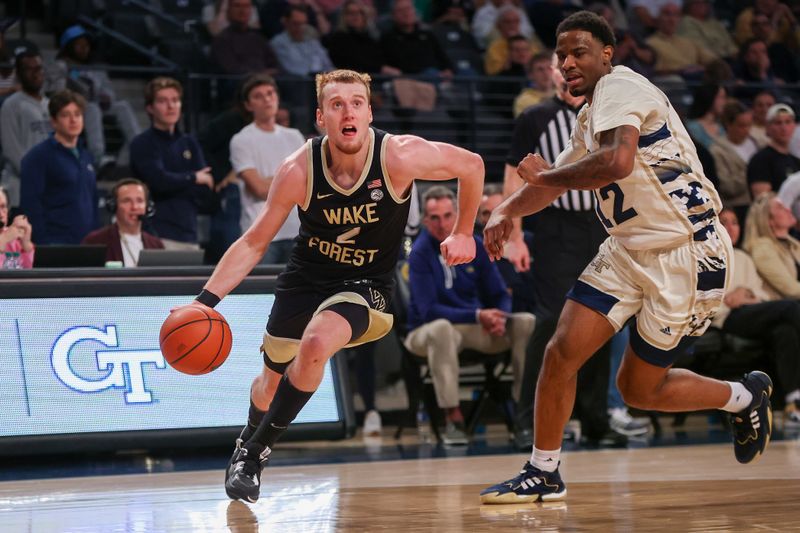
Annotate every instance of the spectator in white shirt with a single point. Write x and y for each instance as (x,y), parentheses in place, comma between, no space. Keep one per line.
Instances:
(256,153)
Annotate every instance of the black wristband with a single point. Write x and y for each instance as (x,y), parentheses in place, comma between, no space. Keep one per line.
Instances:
(208,298)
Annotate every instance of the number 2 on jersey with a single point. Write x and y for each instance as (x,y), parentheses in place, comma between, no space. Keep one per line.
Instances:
(348,237)
(620,215)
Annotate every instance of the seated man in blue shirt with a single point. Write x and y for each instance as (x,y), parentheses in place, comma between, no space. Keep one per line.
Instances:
(172,165)
(454,308)
(58,183)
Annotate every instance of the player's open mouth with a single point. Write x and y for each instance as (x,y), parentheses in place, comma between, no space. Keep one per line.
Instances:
(574,80)
(349,131)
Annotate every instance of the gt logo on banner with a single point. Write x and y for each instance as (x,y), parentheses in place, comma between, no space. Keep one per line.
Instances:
(114,361)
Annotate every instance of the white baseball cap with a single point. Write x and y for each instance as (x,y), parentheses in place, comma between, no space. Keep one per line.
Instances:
(776,109)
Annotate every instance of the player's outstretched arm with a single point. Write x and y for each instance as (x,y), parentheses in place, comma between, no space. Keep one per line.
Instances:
(504,227)
(410,157)
(611,162)
(288,189)
(524,201)
(516,250)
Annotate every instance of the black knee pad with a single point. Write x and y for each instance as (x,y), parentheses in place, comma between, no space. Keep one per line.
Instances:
(280,368)
(356,315)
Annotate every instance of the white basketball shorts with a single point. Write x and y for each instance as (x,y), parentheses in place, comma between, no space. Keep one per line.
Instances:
(671,294)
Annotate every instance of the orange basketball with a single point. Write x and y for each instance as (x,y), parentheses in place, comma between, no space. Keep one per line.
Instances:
(195,340)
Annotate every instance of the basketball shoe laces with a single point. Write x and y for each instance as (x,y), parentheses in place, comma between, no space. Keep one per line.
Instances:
(527,478)
(251,466)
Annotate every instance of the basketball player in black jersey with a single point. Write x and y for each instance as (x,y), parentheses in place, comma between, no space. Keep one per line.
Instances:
(352,188)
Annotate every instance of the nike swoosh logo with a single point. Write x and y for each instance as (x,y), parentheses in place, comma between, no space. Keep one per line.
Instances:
(323,196)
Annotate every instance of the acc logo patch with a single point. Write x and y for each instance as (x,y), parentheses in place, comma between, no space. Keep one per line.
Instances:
(376,194)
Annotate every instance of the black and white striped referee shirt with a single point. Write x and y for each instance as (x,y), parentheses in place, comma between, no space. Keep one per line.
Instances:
(545,128)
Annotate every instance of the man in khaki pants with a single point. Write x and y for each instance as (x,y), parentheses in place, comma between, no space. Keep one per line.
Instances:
(454,308)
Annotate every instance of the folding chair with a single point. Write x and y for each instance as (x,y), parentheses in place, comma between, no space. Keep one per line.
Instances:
(490,374)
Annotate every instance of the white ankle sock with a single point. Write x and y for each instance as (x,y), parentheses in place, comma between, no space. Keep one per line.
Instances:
(740,397)
(546,460)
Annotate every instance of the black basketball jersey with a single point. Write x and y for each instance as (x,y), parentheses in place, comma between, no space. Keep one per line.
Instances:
(349,236)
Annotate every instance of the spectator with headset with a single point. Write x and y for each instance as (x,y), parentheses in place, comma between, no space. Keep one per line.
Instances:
(129,201)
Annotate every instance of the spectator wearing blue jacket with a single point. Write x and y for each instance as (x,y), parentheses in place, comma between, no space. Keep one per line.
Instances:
(172,165)
(58,183)
(455,308)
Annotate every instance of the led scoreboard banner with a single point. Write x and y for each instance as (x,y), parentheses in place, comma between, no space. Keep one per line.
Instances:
(87,372)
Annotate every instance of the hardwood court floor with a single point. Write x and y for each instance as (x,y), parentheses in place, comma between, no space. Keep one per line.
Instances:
(684,488)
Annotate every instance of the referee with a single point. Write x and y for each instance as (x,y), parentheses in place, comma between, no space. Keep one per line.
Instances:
(566,236)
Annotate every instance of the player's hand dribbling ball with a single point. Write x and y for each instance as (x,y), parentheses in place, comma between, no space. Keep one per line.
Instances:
(195,339)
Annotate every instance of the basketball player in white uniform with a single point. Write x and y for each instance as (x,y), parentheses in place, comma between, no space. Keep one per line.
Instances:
(664,267)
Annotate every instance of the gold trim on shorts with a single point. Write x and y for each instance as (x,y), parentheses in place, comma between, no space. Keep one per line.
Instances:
(280,349)
(283,349)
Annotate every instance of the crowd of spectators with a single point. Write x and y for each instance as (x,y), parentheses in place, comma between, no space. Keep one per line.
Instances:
(735,67)
(73,70)
(733,76)
(677,41)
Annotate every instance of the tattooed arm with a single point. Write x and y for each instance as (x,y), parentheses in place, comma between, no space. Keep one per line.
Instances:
(611,162)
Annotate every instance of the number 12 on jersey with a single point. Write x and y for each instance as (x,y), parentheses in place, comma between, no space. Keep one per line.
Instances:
(620,214)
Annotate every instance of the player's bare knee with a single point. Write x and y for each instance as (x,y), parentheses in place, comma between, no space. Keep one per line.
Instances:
(557,360)
(311,343)
(314,350)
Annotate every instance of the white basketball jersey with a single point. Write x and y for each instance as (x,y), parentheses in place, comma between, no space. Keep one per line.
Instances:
(667,200)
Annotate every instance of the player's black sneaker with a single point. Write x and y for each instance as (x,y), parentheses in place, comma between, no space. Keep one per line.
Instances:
(243,475)
(752,427)
(244,436)
(531,485)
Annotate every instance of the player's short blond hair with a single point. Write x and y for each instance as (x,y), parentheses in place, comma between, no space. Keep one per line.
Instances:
(341,76)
